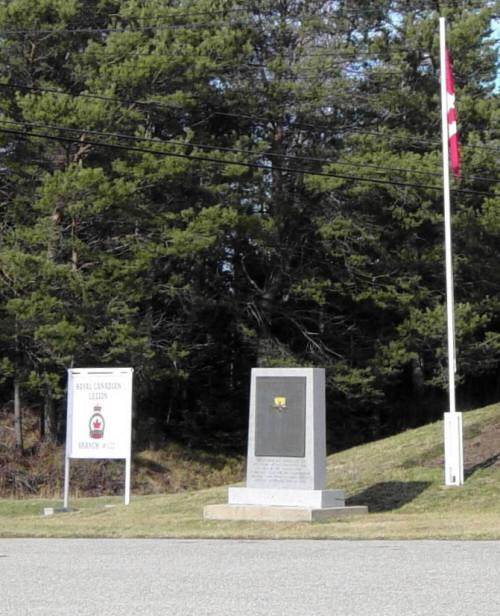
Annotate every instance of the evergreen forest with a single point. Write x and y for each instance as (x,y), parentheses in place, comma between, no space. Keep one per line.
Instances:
(193,188)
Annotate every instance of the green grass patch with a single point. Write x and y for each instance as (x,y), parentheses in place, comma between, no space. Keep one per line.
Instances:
(400,478)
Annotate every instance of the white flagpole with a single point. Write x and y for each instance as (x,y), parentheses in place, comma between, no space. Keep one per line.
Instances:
(447,223)
(452,420)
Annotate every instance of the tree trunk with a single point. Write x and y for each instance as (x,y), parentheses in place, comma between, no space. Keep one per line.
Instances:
(417,381)
(49,419)
(18,420)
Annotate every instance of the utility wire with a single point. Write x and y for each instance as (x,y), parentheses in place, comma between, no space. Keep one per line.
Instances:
(101,97)
(260,119)
(355,130)
(320,18)
(248,10)
(203,146)
(219,161)
(54,31)
(181,14)
(341,54)
(344,9)
(344,64)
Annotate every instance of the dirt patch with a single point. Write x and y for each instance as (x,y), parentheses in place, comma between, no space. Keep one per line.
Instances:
(483,451)
(480,451)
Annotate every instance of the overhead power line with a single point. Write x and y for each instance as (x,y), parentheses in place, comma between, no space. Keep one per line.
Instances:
(101,97)
(182,14)
(353,55)
(222,87)
(112,30)
(272,155)
(362,131)
(248,10)
(319,18)
(252,165)
(260,119)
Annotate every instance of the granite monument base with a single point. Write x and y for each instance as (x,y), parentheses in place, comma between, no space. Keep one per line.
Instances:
(282,497)
(281,505)
(273,513)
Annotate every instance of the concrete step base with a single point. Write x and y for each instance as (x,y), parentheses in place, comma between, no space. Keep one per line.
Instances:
(272,513)
(281,497)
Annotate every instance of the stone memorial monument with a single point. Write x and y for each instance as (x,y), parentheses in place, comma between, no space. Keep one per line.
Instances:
(286,463)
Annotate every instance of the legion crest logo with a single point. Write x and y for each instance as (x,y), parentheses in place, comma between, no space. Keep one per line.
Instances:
(280,404)
(96,423)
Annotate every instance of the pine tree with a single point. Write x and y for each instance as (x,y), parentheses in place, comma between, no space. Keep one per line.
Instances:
(219,186)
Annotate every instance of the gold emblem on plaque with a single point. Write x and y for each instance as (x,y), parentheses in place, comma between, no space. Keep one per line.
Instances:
(280,404)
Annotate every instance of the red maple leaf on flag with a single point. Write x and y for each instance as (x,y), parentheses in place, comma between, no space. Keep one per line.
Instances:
(452,118)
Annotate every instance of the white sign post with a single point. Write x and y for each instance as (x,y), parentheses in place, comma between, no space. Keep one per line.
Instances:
(99,419)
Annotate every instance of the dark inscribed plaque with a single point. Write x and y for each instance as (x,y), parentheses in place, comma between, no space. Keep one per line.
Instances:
(280,416)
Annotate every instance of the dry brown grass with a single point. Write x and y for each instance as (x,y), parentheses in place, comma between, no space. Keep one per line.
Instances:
(171,469)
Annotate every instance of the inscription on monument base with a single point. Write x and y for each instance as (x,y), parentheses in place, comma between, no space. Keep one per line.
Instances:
(284,472)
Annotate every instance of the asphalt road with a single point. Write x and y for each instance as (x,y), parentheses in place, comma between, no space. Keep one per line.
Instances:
(259,578)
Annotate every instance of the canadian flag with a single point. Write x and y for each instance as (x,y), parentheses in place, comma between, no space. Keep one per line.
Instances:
(452,119)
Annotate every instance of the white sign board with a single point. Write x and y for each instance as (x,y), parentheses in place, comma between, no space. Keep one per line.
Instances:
(99,420)
(99,413)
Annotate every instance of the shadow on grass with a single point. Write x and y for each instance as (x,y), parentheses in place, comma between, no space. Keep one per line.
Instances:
(388,495)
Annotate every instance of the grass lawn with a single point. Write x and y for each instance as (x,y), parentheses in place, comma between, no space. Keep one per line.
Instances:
(400,479)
